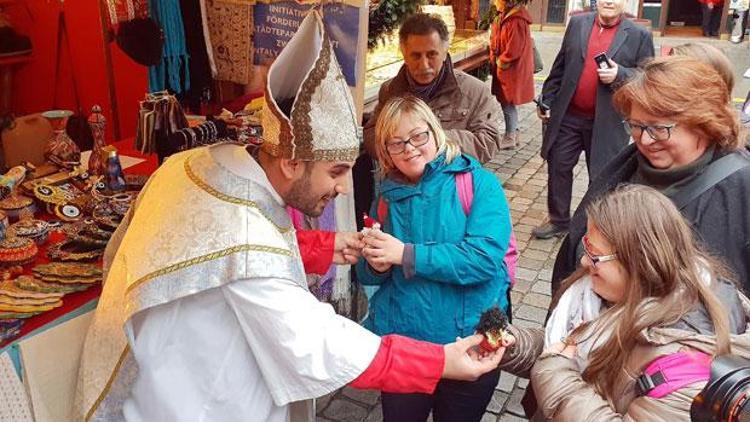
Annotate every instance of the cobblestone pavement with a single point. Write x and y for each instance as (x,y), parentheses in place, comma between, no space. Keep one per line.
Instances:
(524,176)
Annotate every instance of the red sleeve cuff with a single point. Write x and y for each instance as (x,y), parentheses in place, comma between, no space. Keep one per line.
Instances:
(316,249)
(403,365)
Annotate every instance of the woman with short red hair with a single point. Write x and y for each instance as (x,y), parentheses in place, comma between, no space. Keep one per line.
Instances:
(688,144)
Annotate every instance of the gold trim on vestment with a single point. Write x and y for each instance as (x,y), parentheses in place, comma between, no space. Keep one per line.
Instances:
(107,386)
(205,258)
(227,198)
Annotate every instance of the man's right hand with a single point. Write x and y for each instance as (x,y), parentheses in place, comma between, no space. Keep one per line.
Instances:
(464,363)
(347,248)
(542,114)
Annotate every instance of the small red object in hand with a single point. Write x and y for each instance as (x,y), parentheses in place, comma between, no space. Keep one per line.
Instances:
(493,324)
(369,221)
(489,344)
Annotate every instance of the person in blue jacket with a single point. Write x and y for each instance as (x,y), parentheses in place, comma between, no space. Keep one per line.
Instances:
(438,265)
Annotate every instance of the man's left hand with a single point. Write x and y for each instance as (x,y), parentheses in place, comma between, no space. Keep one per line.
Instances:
(607,76)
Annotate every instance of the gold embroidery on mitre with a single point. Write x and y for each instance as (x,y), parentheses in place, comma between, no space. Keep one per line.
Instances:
(322,122)
(277,132)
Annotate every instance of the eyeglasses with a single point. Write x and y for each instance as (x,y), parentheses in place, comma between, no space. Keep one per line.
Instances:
(397,147)
(595,259)
(659,133)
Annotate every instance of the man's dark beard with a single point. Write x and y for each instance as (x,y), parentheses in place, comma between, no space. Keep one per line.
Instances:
(299,195)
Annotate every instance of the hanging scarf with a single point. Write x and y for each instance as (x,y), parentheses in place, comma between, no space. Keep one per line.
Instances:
(173,71)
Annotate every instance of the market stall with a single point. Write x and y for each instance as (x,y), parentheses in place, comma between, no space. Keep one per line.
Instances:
(46,298)
(62,206)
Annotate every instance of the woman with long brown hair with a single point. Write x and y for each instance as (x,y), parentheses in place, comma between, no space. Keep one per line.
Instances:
(688,143)
(646,295)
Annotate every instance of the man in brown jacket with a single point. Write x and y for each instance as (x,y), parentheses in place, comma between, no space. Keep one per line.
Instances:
(468,112)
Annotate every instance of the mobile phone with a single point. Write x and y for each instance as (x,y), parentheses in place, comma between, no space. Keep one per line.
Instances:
(602,61)
(540,104)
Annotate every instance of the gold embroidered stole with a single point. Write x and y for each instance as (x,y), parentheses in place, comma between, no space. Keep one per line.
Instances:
(195,226)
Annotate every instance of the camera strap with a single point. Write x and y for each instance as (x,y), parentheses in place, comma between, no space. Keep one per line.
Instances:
(669,373)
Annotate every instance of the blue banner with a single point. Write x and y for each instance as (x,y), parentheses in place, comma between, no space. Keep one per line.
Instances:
(276,23)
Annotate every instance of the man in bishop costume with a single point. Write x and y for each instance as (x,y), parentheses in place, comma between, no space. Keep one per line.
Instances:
(205,314)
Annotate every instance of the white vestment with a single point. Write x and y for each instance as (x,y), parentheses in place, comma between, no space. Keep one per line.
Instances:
(244,344)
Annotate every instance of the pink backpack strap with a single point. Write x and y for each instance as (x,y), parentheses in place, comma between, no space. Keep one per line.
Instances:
(511,258)
(465,187)
(669,373)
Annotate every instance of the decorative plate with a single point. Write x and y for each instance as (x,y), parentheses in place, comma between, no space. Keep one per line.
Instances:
(68,270)
(70,250)
(20,309)
(29,228)
(15,202)
(69,280)
(32,284)
(17,251)
(10,289)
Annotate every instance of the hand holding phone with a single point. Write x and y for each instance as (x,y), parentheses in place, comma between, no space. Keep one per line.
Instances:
(542,109)
(605,68)
(602,61)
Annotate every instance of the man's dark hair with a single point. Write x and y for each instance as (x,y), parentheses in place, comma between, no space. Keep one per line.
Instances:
(423,24)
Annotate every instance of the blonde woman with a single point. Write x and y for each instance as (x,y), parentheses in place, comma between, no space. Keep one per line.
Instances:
(645,293)
(439,257)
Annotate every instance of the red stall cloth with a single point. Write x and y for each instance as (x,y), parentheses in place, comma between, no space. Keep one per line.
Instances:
(116,87)
(73,301)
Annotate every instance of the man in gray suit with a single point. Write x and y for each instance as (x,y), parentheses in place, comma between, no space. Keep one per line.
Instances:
(577,101)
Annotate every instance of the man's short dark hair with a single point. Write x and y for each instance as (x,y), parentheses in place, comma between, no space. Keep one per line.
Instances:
(423,24)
